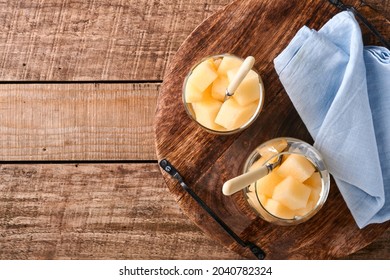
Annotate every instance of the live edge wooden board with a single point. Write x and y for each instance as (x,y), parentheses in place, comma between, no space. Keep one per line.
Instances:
(261,28)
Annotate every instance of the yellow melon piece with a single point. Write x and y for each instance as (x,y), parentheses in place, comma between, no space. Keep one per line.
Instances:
(232,115)
(277,209)
(315,194)
(192,93)
(306,210)
(263,199)
(277,146)
(292,193)
(203,75)
(296,166)
(227,63)
(217,62)
(316,186)
(266,185)
(206,110)
(314,180)
(218,89)
(248,90)
(269,151)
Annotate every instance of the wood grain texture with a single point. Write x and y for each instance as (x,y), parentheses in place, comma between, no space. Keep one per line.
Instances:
(104,211)
(77,121)
(96,211)
(94,40)
(249,28)
(381,6)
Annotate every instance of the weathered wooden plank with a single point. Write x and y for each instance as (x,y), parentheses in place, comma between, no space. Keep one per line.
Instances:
(117,211)
(77,121)
(104,211)
(95,40)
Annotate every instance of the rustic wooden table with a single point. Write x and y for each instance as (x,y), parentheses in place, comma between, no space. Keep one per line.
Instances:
(78,92)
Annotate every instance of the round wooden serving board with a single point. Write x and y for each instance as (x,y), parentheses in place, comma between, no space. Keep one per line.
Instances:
(261,28)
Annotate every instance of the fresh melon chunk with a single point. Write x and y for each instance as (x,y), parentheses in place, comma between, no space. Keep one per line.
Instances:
(315,194)
(267,184)
(277,146)
(306,210)
(270,151)
(292,193)
(263,199)
(192,93)
(316,186)
(217,62)
(232,115)
(277,209)
(296,166)
(218,90)
(248,90)
(314,180)
(206,111)
(227,63)
(203,75)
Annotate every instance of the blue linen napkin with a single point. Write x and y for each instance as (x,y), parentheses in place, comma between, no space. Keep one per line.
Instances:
(341,90)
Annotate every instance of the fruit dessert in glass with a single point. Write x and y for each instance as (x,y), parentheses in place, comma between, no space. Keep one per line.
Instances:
(296,189)
(205,99)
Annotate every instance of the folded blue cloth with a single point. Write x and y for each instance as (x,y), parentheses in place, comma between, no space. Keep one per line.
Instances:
(341,90)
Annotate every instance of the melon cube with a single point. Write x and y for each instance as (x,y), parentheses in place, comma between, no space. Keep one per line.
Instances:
(306,210)
(266,185)
(203,75)
(248,90)
(316,186)
(292,193)
(262,198)
(315,194)
(218,90)
(232,115)
(277,146)
(217,62)
(296,166)
(314,180)
(269,151)
(227,63)
(192,93)
(277,209)
(206,110)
